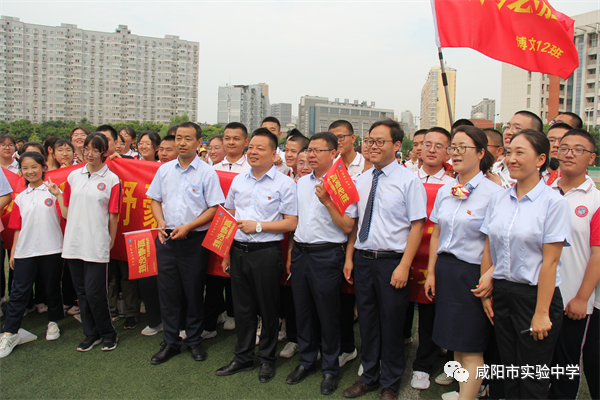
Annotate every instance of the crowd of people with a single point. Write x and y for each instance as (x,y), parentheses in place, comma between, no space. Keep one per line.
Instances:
(512,277)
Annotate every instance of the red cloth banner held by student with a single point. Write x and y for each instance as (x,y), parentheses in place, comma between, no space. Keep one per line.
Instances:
(219,236)
(141,253)
(529,34)
(339,185)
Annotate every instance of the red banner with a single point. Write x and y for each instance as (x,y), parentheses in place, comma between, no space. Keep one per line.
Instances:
(529,34)
(418,272)
(219,236)
(141,254)
(339,185)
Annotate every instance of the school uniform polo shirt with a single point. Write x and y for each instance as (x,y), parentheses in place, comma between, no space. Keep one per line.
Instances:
(439,177)
(239,166)
(37,214)
(91,197)
(584,204)
(356,166)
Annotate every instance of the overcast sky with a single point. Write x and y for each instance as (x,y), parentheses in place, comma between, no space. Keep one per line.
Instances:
(361,50)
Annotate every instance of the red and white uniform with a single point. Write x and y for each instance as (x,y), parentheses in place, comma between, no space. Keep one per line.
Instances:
(90,198)
(439,177)
(37,214)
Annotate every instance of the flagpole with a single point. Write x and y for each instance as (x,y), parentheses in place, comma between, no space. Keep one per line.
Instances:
(445,82)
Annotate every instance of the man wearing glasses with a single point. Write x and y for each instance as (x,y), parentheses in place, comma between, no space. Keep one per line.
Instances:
(555,134)
(344,132)
(381,249)
(434,156)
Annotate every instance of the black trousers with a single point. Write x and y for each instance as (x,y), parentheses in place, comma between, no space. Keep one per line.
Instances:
(214,303)
(591,355)
(316,285)
(182,266)
(568,351)
(255,280)
(68,291)
(347,301)
(289,313)
(427,351)
(148,288)
(91,284)
(408,321)
(118,278)
(381,315)
(514,306)
(492,357)
(26,270)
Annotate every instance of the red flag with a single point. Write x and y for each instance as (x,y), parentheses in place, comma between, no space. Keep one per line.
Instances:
(220,233)
(339,185)
(141,254)
(529,34)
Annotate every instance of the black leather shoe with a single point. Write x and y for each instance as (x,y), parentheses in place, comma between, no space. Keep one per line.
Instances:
(165,354)
(267,372)
(329,384)
(234,367)
(198,352)
(298,375)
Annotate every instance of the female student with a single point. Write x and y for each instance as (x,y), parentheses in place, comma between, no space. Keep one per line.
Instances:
(455,254)
(216,151)
(147,146)
(527,226)
(91,204)
(36,249)
(78,135)
(8,145)
(63,152)
(128,135)
(49,147)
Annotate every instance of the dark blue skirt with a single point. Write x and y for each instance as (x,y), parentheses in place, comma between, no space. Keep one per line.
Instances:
(460,321)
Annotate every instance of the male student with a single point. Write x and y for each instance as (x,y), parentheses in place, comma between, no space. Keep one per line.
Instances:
(344,132)
(263,201)
(570,119)
(434,155)
(295,142)
(185,194)
(273,125)
(555,134)
(167,150)
(381,249)
(417,150)
(494,146)
(235,139)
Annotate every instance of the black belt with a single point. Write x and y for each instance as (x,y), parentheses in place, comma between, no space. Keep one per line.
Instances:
(376,255)
(190,234)
(313,248)
(248,247)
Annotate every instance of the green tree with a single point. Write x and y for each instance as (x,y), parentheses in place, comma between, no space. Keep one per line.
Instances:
(407,145)
(211,131)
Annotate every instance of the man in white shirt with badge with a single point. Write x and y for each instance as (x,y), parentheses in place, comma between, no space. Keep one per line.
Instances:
(235,139)
(353,161)
(434,156)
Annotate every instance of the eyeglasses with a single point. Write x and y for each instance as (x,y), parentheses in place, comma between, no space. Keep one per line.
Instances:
(215,148)
(7,146)
(316,151)
(577,151)
(459,149)
(144,144)
(63,151)
(516,128)
(341,138)
(438,147)
(379,142)
(93,152)
(78,135)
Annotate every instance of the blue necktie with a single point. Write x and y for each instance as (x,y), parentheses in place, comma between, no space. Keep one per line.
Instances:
(366,222)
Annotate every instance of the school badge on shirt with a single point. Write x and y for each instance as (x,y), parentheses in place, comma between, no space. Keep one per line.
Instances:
(48,202)
(581,211)
(101,186)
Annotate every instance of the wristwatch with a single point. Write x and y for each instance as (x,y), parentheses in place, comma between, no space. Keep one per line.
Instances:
(258,227)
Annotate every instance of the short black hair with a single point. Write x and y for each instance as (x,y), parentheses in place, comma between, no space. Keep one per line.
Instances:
(577,118)
(419,132)
(293,132)
(113,131)
(172,130)
(443,131)
(129,130)
(237,125)
(344,123)
(584,134)
(461,122)
(268,134)
(299,138)
(561,125)
(493,135)
(168,138)
(395,129)
(272,119)
(328,137)
(38,158)
(98,141)
(536,121)
(37,145)
(539,142)
(192,125)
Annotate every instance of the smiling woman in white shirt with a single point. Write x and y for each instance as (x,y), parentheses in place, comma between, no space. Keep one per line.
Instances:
(527,227)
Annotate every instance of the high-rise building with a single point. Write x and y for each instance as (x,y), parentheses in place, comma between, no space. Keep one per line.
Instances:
(486,109)
(68,73)
(315,114)
(434,108)
(408,119)
(547,95)
(283,112)
(248,104)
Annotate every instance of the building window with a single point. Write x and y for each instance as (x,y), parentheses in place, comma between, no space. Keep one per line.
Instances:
(593,40)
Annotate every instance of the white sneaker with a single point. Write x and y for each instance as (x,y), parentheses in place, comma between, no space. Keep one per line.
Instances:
(444,380)
(148,331)
(229,324)
(420,380)
(289,350)
(221,319)
(8,343)
(360,370)
(282,336)
(53,332)
(208,334)
(41,308)
(345,357)
(450,396)
(182,334)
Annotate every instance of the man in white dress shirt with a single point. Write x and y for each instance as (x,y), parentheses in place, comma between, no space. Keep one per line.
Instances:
(235,139)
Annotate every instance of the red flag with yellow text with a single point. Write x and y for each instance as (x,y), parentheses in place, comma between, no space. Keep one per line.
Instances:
(527,33)
(219,236)
(338,183)
(141,253)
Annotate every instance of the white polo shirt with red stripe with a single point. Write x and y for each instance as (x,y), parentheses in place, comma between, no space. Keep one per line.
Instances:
(584,202)
(90,198)
(37,214)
